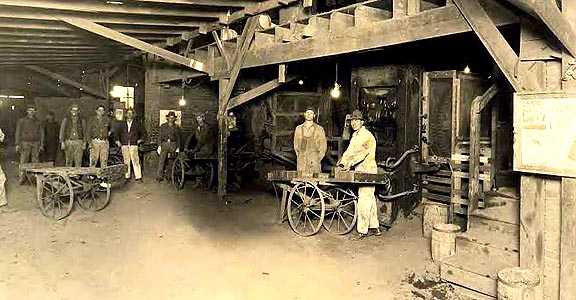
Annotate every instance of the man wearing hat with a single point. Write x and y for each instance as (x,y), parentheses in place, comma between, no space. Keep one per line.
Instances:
(204,138)
(97,136)
(168,142)
(72,137)
(51,132)
(361,156)
(309,144)
(29,139)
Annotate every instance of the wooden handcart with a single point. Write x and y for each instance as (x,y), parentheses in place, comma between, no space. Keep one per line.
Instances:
(312,201)
(59,187)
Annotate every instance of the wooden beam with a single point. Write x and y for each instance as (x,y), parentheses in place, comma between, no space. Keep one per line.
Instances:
(568,240)
(132,42)
(223,51)
(126,8)
(557,22)
(225,90)
(67,81)
(429,24)
(219,3)
(256,92)
(492,39)
(476,108)
(103,19)
(50,85)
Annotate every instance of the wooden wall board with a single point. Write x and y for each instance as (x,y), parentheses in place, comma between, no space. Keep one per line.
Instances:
(568,240)
(545,133)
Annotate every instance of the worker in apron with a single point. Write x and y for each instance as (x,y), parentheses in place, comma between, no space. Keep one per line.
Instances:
(309,144)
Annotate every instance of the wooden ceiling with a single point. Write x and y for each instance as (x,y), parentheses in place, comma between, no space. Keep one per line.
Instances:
(32,32)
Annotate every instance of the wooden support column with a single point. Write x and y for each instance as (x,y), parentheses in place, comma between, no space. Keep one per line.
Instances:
(476,108)
(568,60)
(226,87)
(568,240)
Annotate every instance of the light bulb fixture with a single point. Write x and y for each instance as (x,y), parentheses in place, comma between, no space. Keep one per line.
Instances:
(301,82)
(467,70)
(335,92)
(182,101)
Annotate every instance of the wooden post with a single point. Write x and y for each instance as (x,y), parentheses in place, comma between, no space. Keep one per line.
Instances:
(568,240)
(222,145)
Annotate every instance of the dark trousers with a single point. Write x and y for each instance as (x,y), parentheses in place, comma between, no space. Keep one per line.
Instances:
(29,153)
(167,149)
(74,150)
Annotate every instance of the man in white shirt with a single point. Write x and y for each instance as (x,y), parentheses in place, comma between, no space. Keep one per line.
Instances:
(3,200)
(128,135)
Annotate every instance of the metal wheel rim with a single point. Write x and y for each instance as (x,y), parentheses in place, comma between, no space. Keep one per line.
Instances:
(306,210)
(207,180)
(342,219)
(97,197)
(178,173)
(56,194)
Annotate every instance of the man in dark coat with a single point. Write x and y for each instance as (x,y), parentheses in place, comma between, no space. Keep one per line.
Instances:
(73,137)
(128,135)
(29,139)
(168,142)
(51,138)
(204,138)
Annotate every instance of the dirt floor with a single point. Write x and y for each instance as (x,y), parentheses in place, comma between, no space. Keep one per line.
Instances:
(153,242)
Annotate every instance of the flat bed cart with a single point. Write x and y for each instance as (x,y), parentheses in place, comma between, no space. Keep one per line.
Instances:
(313,201)
(58,188)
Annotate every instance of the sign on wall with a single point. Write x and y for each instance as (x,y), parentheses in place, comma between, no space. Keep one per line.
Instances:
(545,133)
(163,114)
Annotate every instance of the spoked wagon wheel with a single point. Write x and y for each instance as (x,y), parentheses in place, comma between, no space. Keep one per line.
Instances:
(341,211)
(206,175)
(306,209)
(179,169)
(95,193)
(56,198)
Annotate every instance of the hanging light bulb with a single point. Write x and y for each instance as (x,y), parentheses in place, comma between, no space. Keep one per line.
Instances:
(335,92)
(300,82)
(467,70)
(182,101)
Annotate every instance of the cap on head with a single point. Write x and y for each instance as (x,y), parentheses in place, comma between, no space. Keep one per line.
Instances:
(357,115)
(171,114)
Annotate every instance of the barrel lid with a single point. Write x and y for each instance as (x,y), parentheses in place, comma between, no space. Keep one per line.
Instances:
(447,227)
(518,277)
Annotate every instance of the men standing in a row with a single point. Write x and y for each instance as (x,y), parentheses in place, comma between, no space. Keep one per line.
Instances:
(51,133)
(129,134)
(97,137)
(72,134)
(29,139)
(168,142)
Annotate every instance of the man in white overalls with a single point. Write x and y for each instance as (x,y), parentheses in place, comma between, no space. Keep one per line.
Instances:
(361,156)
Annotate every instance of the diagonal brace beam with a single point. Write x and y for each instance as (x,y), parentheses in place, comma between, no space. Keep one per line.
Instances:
(492,39)
(67,81)
(136,43)
(256,92)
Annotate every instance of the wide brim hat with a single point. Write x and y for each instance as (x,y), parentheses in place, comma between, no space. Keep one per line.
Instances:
(171,114)
(357,115)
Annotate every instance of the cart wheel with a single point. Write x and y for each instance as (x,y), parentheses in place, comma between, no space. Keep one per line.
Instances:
(179,169)
(306,209)
(56,197)
(341,211)
(95,195)
(206,179)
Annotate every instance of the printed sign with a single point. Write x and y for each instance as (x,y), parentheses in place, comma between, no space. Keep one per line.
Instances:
(545,133)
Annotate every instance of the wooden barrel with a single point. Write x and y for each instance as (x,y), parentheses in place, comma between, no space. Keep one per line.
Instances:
(433,213)
(443,241)
(517,284)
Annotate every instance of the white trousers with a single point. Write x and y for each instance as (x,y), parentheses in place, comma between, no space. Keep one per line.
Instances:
(131,159)
(367,209)
(3,200)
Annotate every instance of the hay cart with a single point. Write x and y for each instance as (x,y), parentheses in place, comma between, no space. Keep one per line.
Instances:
(312,201)
(59,187)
